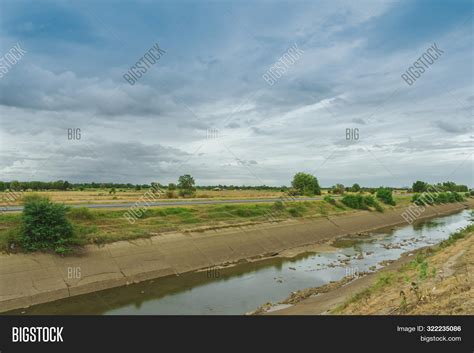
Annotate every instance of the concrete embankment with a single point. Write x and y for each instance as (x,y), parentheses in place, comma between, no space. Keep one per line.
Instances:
(28,279)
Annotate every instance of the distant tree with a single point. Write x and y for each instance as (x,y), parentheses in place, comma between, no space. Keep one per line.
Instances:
(171,186)
(338,189)
(15,185)
(112,191)
(306,184)
(186,185)
(3,187)
(355,187)
(419,186)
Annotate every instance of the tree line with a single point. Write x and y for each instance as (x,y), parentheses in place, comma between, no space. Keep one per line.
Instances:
(302,184)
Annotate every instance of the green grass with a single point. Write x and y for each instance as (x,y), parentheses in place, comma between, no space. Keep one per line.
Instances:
(104,226)
(420,262)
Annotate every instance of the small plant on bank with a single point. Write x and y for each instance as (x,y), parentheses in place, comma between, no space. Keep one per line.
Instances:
(329,200)
(278,205)
(45,226)
(386,196)
(81,213)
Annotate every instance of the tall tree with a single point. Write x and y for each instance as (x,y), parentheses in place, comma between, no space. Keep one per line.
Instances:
(306,184)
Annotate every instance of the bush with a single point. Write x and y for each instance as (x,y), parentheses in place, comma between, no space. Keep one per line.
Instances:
(170,194)
(442,197)
(360,202)
(329,199)
(354,201)
(338,189)
(372,202)
(457,197)
(385,195)
(278,205)
(82,213)
(45,226)
(295,212)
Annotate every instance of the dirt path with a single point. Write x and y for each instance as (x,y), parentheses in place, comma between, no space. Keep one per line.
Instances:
(28,279)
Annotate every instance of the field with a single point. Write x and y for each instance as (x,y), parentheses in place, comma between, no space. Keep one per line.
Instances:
(96,196)
(103,196)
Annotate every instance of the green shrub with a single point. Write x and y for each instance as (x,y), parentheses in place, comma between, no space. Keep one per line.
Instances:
(278,205)
(354,201)
(385,195)
(296,211)
(457,196)
(360,202)
(329,199)
(372,202)
(170,194)
(45,226)
(81,213)
(442,197)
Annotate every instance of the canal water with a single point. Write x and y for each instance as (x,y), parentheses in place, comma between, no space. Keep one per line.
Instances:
(243,288)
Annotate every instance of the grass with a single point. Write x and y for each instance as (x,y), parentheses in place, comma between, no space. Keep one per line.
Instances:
(103,226)
(94,196)
(420,264)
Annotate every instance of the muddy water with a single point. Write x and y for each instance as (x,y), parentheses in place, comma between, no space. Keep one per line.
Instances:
(243,288)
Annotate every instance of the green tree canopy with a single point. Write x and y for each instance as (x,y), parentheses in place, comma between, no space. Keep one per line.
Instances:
(306,184)
(419,186)
(355,187)
(186,185)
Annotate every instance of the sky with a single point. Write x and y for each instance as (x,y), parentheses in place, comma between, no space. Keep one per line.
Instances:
(204,107)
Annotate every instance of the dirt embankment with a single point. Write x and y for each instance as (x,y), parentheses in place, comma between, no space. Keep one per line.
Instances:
(28,279)
(430,281)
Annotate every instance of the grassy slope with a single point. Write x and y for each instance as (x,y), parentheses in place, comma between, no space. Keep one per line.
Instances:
(101,226)
(438,281)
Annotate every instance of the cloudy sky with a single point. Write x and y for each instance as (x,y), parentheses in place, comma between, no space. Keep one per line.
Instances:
(204,107)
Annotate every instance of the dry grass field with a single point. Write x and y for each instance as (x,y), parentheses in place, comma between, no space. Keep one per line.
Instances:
(103,196)
(95,196)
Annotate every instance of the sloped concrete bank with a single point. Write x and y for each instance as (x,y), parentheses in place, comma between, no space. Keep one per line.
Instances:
(29,279)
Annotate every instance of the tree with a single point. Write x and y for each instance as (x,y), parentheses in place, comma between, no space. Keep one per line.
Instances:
(306,184)
(355,187)
(171,186)
(419,186)
(186,185)
(338,189)
(15,185)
